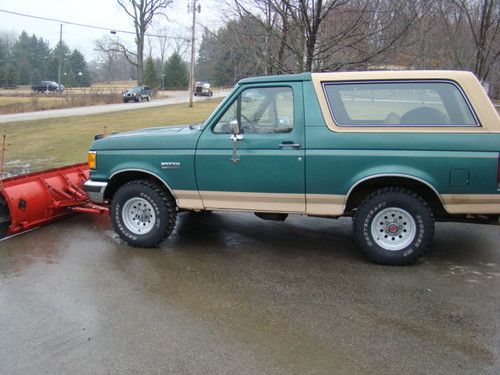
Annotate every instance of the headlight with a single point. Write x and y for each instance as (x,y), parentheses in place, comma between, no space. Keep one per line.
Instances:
(92,159)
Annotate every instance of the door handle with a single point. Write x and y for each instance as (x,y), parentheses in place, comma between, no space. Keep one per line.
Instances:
(289,145)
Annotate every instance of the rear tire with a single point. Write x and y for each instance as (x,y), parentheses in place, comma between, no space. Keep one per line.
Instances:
(393,226)
(143,213)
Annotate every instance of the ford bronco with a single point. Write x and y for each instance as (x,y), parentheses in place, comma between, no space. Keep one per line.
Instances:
(394,150)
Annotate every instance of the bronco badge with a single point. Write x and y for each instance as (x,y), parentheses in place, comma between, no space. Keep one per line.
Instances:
(170,165)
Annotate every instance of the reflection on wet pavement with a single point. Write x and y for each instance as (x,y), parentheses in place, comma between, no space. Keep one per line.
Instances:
(230,293)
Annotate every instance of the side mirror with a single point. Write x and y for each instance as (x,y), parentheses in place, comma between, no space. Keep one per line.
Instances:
(235,131)
(235,128)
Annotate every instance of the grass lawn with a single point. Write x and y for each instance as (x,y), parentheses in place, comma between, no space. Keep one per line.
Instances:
(15,104)
(40,144)
(40,102)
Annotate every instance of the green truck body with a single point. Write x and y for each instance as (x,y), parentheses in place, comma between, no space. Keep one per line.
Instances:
(285,150)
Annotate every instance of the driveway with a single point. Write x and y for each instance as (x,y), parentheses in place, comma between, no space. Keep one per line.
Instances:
(230,293)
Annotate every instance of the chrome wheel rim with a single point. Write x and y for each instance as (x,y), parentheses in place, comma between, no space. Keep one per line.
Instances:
(138,215)
(393,229)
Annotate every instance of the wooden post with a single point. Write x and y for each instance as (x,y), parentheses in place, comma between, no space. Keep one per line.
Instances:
(2,160)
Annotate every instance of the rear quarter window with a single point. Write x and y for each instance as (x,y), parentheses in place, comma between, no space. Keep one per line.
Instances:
(407,103)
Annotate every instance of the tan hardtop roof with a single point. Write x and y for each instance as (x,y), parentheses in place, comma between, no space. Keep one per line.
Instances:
(455,75)
(476,95)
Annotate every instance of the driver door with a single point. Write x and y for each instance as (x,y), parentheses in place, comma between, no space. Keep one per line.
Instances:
(262,168)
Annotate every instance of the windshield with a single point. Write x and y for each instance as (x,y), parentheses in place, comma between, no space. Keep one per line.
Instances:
(135,89)
(216,111)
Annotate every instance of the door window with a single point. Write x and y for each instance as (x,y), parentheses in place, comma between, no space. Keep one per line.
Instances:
(263,110)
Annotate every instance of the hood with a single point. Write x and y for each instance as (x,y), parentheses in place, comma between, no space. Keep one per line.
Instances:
(166,137)
(131,92)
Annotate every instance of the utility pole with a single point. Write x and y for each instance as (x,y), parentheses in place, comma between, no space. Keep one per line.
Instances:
(191,72)
(59,70)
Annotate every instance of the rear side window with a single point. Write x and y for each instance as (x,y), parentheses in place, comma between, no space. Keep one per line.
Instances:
(404,103)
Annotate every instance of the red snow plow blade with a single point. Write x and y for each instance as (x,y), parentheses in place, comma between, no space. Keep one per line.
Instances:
(35,199)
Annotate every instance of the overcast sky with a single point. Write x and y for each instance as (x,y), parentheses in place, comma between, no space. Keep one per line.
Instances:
(103,13)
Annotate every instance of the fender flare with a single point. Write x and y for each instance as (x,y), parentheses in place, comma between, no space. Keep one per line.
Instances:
(399,175)
(152,174)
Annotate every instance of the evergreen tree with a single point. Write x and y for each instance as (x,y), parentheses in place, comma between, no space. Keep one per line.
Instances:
(78,73)
(30,56)
(224,58)
(205,68)
(9,76)
(4,53)
(159,70)
(21,57)
(176,73)
(31,61)
(54,64)
(40,59)
(150,75)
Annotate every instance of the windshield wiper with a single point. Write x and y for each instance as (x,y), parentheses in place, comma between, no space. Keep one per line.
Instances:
(192,126)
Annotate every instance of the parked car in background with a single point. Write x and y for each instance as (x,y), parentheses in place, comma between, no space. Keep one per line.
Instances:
(202,89)
(48,86)
(137,94)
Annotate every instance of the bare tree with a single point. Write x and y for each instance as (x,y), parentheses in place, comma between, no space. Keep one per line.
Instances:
(162,38)
(142,13)
(148,47)
(483,18)
(329,34)
(181,45)
(107,55)
(167,42)
(112,65)
(289,36)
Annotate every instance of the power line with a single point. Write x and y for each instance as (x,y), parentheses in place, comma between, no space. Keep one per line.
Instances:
(113,31)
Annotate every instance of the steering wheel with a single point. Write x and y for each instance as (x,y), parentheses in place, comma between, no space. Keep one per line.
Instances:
(249,126)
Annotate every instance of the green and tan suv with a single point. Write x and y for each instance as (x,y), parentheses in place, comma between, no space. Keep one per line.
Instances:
(394,150)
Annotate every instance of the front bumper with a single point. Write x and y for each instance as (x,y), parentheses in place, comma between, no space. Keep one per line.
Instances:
(95,190)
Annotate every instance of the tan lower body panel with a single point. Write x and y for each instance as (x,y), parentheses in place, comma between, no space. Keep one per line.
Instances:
(188,199)
(472,203)
(325,204)
(262,202)
(317,204)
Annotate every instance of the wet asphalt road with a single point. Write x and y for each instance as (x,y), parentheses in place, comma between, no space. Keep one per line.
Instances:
(230,293)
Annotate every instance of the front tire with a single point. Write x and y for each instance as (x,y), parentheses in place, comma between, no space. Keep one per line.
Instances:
(143,213)
(393,226)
